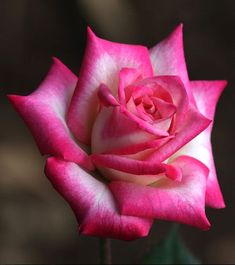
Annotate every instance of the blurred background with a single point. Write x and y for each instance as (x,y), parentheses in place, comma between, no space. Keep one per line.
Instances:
(36,224)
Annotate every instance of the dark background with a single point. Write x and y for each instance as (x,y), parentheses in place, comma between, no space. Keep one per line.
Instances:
(36,225)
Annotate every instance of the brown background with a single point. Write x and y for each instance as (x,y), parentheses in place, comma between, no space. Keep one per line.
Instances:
(36,225)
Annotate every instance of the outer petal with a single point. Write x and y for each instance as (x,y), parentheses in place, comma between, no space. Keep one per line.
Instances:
(44,112)
(168,58)
(93,203)
(206,95)
(182,202)
(102,62)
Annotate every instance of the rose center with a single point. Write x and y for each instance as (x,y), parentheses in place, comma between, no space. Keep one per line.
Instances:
(146,105)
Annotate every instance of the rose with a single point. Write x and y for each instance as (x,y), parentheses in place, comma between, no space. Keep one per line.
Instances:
(129,139)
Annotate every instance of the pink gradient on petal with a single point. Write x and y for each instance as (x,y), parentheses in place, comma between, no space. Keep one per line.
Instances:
(193,125)
(93,203)
(122,165)
(206,94)
(126,164)
(106,97)
(44,113)
(113,130)
(143,125)
(182,202)
(101,64)
(168,58)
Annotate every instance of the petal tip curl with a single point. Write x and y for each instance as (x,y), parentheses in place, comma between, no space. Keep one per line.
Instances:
(221,85)
(205,225)
(55,60)
(90,34)
(178,31)
(13,99)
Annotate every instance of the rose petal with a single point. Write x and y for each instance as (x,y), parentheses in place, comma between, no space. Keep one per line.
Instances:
(138,147)
(106,97)
(93,203)
(102,62)
(175,88)
(138,110)
(165,109)
(127,165)
(173,172)
(144,125)
(124,165)
(182,202)
(113,129)
(44,113)
(206,95)
(127,76)
(168,58)
(193,124)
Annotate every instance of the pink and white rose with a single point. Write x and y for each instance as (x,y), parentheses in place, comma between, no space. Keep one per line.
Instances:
(129,139)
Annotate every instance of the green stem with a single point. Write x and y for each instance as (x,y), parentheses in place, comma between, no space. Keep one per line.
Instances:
(105,251)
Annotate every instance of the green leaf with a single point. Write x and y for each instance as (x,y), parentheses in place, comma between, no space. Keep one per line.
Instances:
(171,250)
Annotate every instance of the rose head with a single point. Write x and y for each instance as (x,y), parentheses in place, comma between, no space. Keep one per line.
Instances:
(129,139)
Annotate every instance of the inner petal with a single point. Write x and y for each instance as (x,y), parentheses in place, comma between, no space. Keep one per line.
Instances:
(138,110)
(165,109)
(138,92)
(153,89)
(143,113)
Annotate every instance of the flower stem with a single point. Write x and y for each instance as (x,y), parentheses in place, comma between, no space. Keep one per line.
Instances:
(105,251)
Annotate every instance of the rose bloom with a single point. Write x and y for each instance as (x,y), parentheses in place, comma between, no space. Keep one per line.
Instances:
(129,139)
